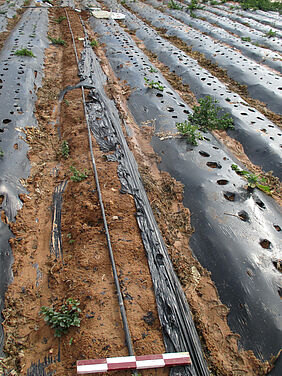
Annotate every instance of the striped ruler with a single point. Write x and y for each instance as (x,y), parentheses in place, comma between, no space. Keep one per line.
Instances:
(132,362)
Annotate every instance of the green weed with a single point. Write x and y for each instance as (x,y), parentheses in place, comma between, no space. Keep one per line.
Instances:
(1,152)
(60,19)
(153,70)
(265,5)
(190,132)
(94,43)
(270,34)
(254,181)
(173,5)
(246,39)
(78,175)
(208,116)
(65,149)
(153,84)
(56,41)
(65,317)
(24,52)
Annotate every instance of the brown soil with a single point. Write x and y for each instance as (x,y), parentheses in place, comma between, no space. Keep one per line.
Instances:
(85,272)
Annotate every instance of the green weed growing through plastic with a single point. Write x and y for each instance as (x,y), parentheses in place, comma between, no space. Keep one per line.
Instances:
(153,84)
(65,317)
(253,180)
(205,116)
(270,34)
(78,175)
(24,52)
(173,5)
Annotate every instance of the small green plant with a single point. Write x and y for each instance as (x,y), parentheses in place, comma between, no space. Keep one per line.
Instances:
(190,132)
(66,102)
(173,5)
(213,2)
(246,39)
(24,52)
(60,19)
(208,116)
(270,34)
(153,84)
(26,3)
(153,70)
(254,181)
(66,316)
(65,149)
(78,175)
(70,238)
(94,43)
(1,152)
(58,41)
(194,5)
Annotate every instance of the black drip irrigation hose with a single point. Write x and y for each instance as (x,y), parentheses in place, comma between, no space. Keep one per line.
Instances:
(118,289)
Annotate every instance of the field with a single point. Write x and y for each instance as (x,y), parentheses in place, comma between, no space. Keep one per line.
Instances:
(140,185)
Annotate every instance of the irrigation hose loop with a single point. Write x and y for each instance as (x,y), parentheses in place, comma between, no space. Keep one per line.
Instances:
(118,289)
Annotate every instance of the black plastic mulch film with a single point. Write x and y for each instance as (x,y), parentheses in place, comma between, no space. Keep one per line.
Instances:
(262,84)
(247,47)
(260,138)
(20,77)
(177,325)
(230,223)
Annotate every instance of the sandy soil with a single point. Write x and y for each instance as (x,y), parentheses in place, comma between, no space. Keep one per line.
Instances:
(85,273)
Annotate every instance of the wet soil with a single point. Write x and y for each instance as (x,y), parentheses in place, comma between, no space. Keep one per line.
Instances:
(84,273)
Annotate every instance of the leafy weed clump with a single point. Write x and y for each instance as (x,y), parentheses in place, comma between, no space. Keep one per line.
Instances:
(205,116)
(190,132)
(94,43)
(65,317)
(60,19)
(173,5)
(78,175)
(153,84)
(24,52)
(56,41)
(254,181)
(65,149)
(270,34)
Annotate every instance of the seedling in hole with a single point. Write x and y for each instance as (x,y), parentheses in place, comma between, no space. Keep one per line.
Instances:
(153,84)
(66,316)
(24,52)
(270,34)
(1,152)
(246,39)
(65,149)
(190,132)
(173,5)
(58,41)
(153,70)
(94,43)
(254,181)
(78,175)
(60,19)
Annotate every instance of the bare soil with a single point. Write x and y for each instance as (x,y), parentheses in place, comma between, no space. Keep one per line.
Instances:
(85,272)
